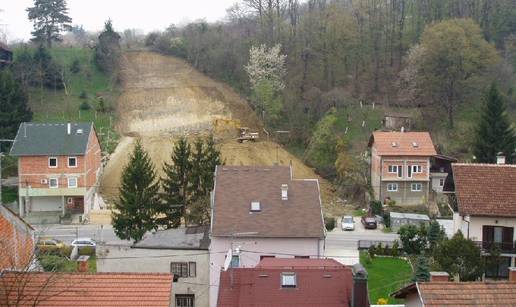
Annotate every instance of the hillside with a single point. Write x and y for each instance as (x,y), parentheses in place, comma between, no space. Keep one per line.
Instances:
(164,97)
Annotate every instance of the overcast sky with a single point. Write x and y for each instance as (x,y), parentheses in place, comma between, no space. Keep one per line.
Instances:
(146,15)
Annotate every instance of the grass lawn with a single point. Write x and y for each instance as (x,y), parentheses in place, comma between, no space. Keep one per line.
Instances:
(386,275)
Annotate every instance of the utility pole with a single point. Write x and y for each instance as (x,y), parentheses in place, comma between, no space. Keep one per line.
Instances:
(2,140)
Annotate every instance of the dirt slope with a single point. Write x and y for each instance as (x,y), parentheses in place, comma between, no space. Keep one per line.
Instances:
(164,97)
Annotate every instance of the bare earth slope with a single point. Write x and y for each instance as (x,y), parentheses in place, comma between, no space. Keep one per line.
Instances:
(164,97)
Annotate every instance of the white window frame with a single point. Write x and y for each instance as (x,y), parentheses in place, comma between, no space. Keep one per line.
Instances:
(394,187)
(76,182)
(57,162)
(416,184)
(50,183)
(441,182)
(392,169)
(417,169)
(290,277)
(68,161)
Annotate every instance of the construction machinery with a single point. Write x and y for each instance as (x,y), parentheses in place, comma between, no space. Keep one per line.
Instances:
(246,135)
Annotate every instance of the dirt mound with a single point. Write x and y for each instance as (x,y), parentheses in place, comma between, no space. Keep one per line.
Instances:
(164,97)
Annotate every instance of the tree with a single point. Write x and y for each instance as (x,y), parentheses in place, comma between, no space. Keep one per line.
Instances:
(451,53)
(421,270)
(15,109)
(459,256)
(47,71)
(176,184)
(435,234)
(50,18)
(107,50)
(413,238)
(138,201)
(494,133)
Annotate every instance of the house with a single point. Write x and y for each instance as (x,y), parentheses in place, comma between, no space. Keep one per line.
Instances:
(400,166)
(58,168)
(16,241)
(26,289)
(440,169)
(484,206)
(6,55)
(441,292)
(182,251)
(294,282)
(260,212)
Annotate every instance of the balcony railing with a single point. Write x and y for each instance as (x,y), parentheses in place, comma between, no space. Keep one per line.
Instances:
(503,247)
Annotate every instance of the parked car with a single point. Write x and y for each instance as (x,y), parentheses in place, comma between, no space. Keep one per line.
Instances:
(83,242)
(347,223)
(369,222)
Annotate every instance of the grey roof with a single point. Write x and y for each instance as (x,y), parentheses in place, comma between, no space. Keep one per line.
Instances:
(44,139)
(178,238)
(410,216)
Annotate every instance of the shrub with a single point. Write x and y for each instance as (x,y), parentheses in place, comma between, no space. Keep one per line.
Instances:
(382,301)
(386,219)
(76,66)
(83,95)
(379,249)
(52,263)
(86,251)
(376,207)
(329,223)
(85,106)
(395,250)
(372,251)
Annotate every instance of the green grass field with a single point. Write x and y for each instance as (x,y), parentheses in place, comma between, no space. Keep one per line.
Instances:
(386,275)
(51,105)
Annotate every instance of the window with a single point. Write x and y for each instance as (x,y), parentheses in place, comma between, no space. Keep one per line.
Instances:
(185,300)
(393,169)
(69,200)
(53,183)
(192,269)
(52,162)
(183,269)
(72,182)
(417,169)
(392,187)
(288,280)
(441,182)
(72,162)
(416,187)
(235,261)
(255,206)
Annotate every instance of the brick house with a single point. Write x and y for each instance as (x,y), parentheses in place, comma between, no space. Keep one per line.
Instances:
(484,203)
(58,168)
(401,167)
(16,241)
(260,212)
(294,282)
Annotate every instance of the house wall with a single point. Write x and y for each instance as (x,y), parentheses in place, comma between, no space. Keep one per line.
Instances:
(16,241)
(252,248)
(476,223)
(158,261)
(405,195)
(413,300)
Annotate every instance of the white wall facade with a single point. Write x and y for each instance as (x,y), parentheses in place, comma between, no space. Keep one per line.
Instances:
(115,259)
(476,223)
(251,249)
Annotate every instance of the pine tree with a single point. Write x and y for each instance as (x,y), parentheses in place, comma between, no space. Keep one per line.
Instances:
(50,17)
(176,185)
(212,159)
(198,162)
(108,51)
(138,200)
(422,271)
(494,133)
(435,234)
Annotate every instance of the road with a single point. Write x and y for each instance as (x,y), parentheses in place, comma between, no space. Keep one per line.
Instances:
(103,234)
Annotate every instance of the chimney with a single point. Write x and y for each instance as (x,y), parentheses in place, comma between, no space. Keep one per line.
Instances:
(68,128)
(359,296)
(284,192)
(512,274)
(500,158)
(439,276)
(82,264)
(402,129)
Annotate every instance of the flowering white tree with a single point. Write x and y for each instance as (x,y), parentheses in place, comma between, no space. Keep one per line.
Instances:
(267,64)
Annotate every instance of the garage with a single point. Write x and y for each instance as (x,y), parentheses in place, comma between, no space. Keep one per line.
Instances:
(46,204)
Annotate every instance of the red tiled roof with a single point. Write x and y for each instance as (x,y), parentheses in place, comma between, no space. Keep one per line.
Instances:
(237,186)
(404,143)
(16,241)
(87,289)
(485,189)
(260,287)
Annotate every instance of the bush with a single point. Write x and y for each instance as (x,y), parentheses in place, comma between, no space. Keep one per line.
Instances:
(329,223)
(372,251)
(86,251)
(386,219)
(83,95)
(76,66)
(376,207)
(85,106)
(52,263)
(64,251)
(395,250)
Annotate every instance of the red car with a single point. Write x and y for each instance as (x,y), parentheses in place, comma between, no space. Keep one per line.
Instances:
(369,222)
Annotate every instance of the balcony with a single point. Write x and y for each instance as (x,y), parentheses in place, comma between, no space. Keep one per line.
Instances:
(504,247)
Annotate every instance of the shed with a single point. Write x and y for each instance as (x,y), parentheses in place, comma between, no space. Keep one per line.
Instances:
(400,219)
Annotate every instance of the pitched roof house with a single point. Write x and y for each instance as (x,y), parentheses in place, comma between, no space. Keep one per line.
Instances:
(440,292)
(261,211)
(59,165)
(85,289)
(400,166)
(16,241)
(291,282)
(485,209)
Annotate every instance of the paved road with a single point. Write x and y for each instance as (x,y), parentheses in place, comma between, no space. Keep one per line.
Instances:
(67,233)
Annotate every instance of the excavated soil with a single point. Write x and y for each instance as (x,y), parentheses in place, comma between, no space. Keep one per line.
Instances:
(164,97)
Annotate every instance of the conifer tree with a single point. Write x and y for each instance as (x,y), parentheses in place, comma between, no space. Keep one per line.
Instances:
(435,234)
(212,159)
(421,271)
(494,133)
(198,163)
(138,200)
(50,17)
(176,185)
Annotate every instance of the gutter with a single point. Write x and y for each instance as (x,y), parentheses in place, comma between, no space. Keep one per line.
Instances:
(419,295)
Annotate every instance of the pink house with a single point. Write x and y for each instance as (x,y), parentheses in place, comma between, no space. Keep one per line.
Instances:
(261,212)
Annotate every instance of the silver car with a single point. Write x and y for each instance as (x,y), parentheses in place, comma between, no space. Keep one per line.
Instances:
(347,223)
(82,242)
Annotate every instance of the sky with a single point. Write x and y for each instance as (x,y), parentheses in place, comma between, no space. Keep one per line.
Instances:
(147,15)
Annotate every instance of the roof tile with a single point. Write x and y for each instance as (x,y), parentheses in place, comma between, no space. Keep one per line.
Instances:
(404,143)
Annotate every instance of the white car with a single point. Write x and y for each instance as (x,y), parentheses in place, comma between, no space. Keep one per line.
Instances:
(347,223)
(82,242)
